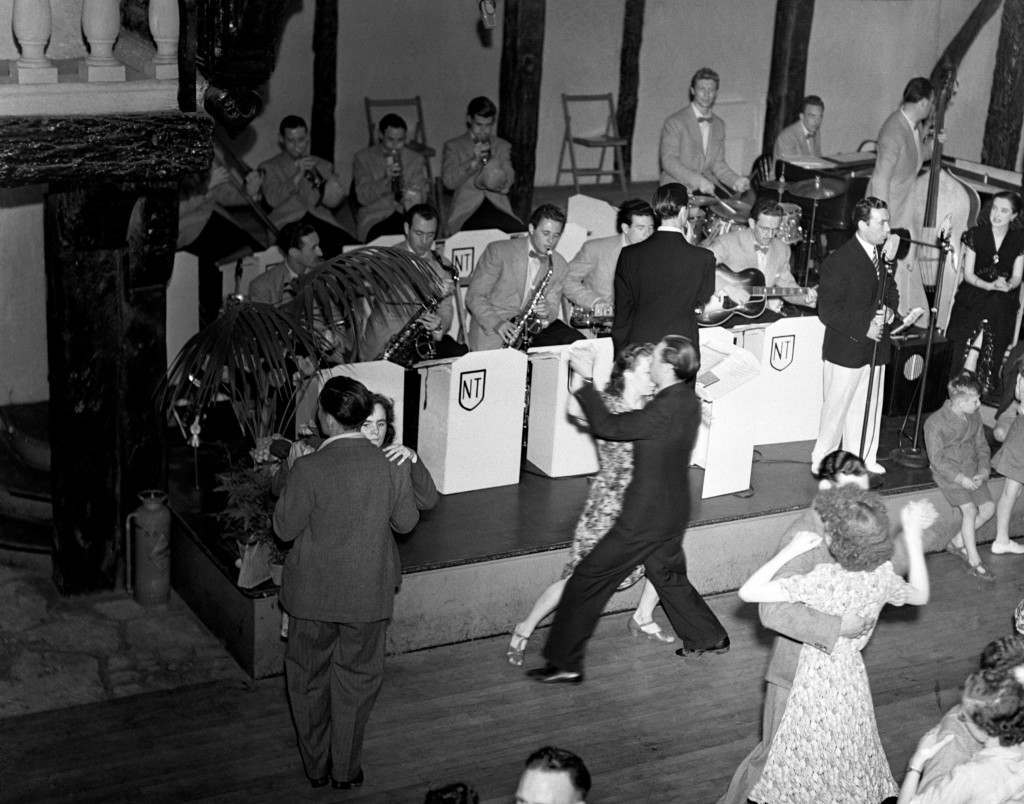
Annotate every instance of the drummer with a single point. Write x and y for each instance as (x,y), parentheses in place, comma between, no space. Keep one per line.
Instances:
(692,147)
(761,247)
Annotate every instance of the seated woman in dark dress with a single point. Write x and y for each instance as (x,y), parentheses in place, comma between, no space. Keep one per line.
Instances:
(993,264)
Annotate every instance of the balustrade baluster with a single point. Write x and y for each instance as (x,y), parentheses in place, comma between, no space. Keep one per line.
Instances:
(101,24)
(31,23)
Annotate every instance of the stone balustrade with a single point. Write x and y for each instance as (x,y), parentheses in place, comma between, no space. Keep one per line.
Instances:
(72,57)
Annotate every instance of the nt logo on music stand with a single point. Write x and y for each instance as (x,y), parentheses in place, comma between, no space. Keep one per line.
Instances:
(472,386)
(782,349)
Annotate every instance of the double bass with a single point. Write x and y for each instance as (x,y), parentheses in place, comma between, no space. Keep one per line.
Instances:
(936,195)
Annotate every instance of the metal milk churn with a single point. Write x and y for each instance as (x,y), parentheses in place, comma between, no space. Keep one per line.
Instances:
(149,549)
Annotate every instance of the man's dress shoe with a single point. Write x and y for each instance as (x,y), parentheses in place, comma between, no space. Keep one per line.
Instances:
(549,674)
(355,781)
(718,647)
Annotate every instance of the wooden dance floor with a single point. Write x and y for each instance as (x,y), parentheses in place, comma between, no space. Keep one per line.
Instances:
(651,727)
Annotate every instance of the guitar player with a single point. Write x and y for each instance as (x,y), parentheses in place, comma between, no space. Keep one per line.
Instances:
(759,247)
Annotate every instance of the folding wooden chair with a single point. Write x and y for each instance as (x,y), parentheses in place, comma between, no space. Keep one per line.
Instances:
(609,140)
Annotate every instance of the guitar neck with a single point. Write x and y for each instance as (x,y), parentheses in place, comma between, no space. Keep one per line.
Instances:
(776,292)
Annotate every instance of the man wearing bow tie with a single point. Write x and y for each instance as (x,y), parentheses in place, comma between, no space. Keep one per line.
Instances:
(508,275)
(802,138)
(693,142)
(759,247)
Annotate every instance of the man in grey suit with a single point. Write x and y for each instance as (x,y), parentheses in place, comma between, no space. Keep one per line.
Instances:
(508,276)
(802,138)
(339,507)
(477,168)
(591,280)
(693,142)
(300,244)
(901,152)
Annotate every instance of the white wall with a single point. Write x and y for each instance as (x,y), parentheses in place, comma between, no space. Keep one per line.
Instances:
(23,361)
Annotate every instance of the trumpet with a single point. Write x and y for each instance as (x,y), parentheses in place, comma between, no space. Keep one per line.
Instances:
(485,157)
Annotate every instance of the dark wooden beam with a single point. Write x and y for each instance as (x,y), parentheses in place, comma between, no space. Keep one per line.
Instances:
(1006,103)
(522,57)
(629,75)
(964,38)
(187,55)
(788,74)
(143,148)
(325,78)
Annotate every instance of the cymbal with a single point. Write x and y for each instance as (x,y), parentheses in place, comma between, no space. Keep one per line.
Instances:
(773,184)
(733,210)
(702,200)
(818,188)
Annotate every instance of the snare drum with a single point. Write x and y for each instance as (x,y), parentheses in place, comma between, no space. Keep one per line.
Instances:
(790,232)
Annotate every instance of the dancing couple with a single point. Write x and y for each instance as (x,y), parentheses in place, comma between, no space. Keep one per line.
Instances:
(648,513)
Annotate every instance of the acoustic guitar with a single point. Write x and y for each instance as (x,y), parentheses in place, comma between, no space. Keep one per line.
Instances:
(722,307)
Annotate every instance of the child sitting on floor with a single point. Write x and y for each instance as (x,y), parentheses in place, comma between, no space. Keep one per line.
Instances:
(958,456)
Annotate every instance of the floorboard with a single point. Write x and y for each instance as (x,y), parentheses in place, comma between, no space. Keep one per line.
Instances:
(651,727)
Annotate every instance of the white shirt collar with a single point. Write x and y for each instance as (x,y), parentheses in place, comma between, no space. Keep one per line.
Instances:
(869,249)
(667,228)
(698,113)
(352,434)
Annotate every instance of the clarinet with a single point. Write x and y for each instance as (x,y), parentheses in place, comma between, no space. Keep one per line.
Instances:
(397,188)
(527,324)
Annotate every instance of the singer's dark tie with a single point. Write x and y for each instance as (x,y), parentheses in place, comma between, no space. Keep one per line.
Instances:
(704,119)
(874,260)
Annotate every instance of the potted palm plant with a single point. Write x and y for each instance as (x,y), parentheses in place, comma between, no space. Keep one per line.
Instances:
(257,359)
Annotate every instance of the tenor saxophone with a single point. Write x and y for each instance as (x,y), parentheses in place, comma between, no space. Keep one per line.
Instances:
(527,323)
(413,342)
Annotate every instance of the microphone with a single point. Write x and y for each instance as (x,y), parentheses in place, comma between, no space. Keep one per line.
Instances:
(488,14)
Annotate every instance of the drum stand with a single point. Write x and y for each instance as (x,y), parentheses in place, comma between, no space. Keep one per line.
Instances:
(914,456)
(811,243)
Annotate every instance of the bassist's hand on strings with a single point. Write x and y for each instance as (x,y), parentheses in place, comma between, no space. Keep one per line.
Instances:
(505,330)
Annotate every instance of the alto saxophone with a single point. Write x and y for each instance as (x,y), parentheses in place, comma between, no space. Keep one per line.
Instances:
(413,342)
(528,323)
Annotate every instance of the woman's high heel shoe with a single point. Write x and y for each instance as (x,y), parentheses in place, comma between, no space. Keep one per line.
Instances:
(656,635)
(516,652)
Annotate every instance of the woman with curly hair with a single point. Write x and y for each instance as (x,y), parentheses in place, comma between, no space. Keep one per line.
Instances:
(629,388)
(992,708)
(827,747)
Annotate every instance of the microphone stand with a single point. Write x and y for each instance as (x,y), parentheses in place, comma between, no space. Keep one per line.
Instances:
(914,456)
(884,266)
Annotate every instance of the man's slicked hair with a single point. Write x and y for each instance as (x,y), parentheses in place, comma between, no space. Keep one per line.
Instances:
(550,758)
(669,200)
(632,208)
(680,353)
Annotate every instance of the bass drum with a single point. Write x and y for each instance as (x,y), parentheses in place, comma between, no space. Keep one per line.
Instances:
(790,232)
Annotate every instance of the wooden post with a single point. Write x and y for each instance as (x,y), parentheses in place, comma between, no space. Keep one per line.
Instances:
(522,57)
(964,38)
(629,76)
(325,79)
(789,67)
(1006,103)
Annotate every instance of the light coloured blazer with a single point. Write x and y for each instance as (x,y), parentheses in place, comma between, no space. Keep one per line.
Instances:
(736,249)
(289,201)
(683,158)
(269,286)
(793,142)
(373,185)
(897,165)
(339,507)
(458,175)
(592,271)
(497,288)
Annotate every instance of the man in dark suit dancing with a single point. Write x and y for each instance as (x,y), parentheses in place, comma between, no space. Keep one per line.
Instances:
(339,505)
(655,512)
(854,319)
(659,282)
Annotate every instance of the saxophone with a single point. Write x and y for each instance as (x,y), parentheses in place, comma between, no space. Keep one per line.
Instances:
(527,322)
(414,342)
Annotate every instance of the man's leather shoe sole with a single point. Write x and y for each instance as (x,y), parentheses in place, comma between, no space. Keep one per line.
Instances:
(552,675)
(718,647)
(355,781)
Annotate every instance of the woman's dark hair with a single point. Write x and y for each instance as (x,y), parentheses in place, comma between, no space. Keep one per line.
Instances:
(347,401)
(625,361)
(984,215)
(836,464)
(389,416)
(994,700)
(856,526)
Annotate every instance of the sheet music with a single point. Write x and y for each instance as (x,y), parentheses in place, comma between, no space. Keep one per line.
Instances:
(725,367)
